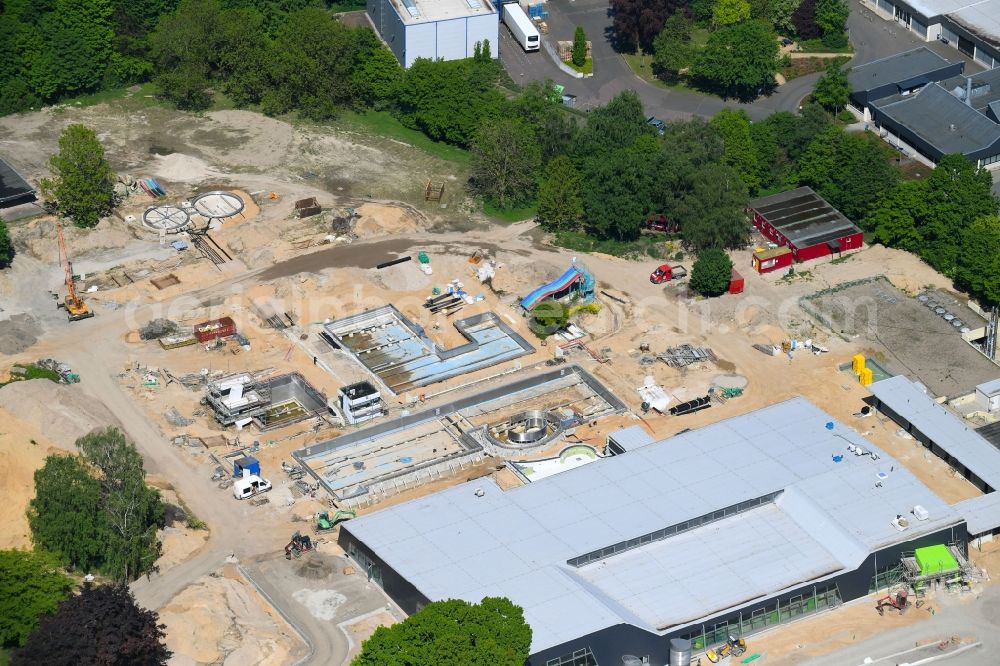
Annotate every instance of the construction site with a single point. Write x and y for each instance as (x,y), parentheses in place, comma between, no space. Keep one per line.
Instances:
(327,360)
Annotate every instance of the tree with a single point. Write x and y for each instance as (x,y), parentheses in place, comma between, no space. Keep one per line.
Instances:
(185,49)
(613,126)
(779,13)
(978,269)
(505,161)
(83,182)
(636,23)
(133,510)
(730,12)
(711,272)
(831,19)
(832,90)
(448,99)
(739,61)
(101,625)
(378,77)
(6,247)
(672,48)
(804,20)
(490,633)
(548,318)
(851,171)
(559,202)
(31,584)
(579,46)
(894,220)
(734,127)
(710,208)
(65,515)
(620,189)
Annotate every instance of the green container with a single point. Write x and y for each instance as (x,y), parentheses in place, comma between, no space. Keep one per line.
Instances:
(935,559)
(422,258)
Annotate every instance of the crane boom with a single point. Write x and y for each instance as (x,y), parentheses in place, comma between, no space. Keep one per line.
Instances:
(75,307)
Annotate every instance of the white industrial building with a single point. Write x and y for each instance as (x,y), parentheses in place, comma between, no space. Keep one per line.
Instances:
(435,29)
(971,26)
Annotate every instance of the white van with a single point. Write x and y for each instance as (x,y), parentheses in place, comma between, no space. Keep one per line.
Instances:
(250,485)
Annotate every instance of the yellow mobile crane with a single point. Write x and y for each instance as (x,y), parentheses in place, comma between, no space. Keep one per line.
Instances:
(76,309)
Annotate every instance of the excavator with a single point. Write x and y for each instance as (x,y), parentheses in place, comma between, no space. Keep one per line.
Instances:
(76,309)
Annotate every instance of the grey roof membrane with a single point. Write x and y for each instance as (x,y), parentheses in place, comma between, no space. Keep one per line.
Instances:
(932,112)
(957,439)
(989,388)
(632,438)
(897,68)
(455,544)
(804,217)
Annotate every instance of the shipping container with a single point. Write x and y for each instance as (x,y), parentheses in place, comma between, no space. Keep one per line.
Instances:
(765,261)
(735,283)
(216,328)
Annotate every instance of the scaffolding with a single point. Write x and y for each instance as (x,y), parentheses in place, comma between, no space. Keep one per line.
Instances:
(685,355)
(957,578)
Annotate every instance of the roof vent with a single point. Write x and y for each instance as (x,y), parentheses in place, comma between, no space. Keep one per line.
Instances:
(920,513)
(480,492)
(900,523)
(952,127)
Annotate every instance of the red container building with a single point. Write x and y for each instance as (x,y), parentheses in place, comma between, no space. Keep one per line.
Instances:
(735,283)
(773,259)
(216,328)
(802,221)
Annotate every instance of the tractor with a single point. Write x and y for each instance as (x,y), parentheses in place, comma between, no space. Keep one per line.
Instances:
(734,647)
(324,523)
(899,601)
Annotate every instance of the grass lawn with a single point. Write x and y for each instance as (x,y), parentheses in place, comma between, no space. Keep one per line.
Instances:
(804,66)
(509,214)
(817,46)
(33,372)
(647,245)
(642,66)
(385,124)
(4,657)
(113,94)
(585,68)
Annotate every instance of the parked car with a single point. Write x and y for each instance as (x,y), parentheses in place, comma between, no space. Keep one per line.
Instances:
(661,223)
(656,123)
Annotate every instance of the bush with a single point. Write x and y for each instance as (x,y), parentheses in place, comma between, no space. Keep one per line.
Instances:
(711,273)
(31,584)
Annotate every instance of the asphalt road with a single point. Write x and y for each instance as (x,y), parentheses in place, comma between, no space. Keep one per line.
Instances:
(872,37)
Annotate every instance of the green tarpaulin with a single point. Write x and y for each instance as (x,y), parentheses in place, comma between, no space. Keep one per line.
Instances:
(935,559)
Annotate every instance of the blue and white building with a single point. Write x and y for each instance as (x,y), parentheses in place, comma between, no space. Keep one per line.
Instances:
(435,29)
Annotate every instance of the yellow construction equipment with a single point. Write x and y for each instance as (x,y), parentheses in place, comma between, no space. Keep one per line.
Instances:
(76,309)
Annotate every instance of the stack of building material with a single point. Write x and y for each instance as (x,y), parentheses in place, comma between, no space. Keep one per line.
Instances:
(684,355)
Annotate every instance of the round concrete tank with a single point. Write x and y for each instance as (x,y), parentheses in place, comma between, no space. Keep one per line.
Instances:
(680,652)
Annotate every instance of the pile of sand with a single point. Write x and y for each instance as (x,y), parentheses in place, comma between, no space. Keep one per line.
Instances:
(221,620)
(17,334)
(63,413)
(23,450)
(37,418)
(382,220)
(181,168)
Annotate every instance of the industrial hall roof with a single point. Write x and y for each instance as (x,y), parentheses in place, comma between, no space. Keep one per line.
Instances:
(907,67)
(668,534)
(14,190)
(954,437)
(980,17)
(803,217)
(942,120)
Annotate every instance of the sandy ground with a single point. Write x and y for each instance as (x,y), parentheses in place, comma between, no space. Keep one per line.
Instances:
(315,270)
(37,418)
(222,620)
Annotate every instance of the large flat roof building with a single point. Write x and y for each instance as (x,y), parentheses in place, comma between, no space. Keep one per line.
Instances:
(917,99)
(14,190)
(971,26)
(803,221)
(722,530)
(435,29)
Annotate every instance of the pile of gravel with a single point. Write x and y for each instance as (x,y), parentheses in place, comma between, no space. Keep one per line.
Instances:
(157,329)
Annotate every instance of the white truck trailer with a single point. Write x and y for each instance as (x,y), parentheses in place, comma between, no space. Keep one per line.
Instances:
(520,26)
